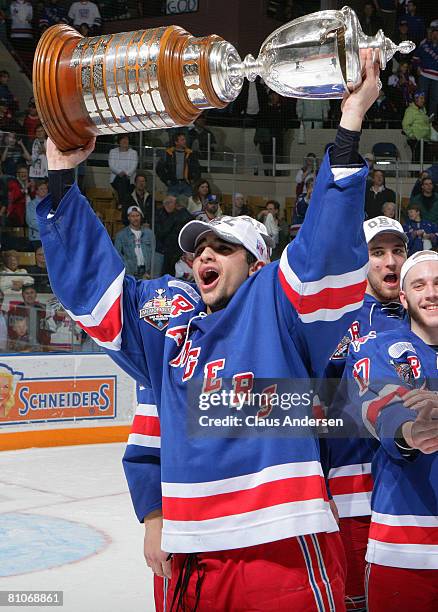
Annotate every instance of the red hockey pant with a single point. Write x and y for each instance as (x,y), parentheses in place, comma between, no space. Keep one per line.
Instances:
(354,535)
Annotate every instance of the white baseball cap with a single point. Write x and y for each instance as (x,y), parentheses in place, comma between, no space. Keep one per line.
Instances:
(383,225)
(415,259)
(135,209)
(243,230)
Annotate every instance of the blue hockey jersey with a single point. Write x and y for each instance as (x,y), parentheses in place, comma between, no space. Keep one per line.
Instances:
(404,502)
(348,460)
(282,323)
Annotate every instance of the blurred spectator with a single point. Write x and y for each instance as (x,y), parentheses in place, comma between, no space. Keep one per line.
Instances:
(39,272)
(18,335)
(401,86)
(240,207)
(114,9)
(38,168)
(3,325)
(380,112)
(269,216)
(416,189)
(65,334)
(19,193)
(198,137)
(313,113)
(141,198)
(389,209)
(308,170)
(401,35)
(370,20)
(21,30)
(377,195)
(52,14)
(169,222)
(3,24)
(31,217)
(201,190)
(422,235)
(136,245)
(416,124)
(211,209)
(14,153)
(251,101)
(426,58)
(123,162)
(85,12)
(303,202)
(34,313)
(5,92)
(416,26)
(31,120)
(388,12)
(179,168)
(272,123)
(7,123)
(427,200)
(184,267)
(10,266)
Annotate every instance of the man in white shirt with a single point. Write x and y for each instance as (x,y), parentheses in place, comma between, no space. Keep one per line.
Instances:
(85,12)
(123,162)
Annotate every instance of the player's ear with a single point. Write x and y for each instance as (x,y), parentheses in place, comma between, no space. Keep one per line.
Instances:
(254,267)
(403,300)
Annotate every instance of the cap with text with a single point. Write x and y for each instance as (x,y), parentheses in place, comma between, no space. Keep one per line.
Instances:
(383,225)
(243,230)
(415,259)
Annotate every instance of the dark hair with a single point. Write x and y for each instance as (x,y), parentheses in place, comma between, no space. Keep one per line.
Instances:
(414,207)
(28,286)
(142,174)
(178,134)
(120,136)
(4,73)
(426,178)
(196,186)
(379,170)
(275,203)
(250,258)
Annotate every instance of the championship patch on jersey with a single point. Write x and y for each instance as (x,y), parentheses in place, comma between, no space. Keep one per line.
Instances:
(156,311)
(405,372)
(341,351)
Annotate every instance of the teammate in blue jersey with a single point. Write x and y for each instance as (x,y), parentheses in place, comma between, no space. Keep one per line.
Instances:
(246,520)
(348,461)
(393,388)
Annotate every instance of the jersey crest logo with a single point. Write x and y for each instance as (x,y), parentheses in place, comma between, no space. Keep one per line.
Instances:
(405,372)
(156,311)
(341,351)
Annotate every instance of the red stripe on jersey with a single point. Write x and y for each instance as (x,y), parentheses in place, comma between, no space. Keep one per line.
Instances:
(375,407)
(360,483)
(404,534)
(330,298)
(146,425)
(110,326)
(268,494)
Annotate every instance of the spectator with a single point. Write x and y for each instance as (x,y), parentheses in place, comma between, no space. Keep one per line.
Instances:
(389,209)
(388,12)
(416,27)
(402,35)
(269,216)
(200,193)
(31,120)
(85,12)
(402,86)
(39,272)
(123,162)
(5,92)
(308,170)
(426,57)
(7,123)
(170,221)
(240,207)
(141,198)
(416,124)
(416,189)
(272,122)
(65,334)
(19,194)
(211,209)
(251,101)
(15,283)
(369,20)
(136,245)
(14,153)
(35,314)
(38,168)
(31,218)
(21,31)
(303,202)
(312,112)
(377,195)
(422,235)
(51,15)
(179,168)
(427,200)
(198,137)
(3,325)
(184,267)
(18,336)
(380,113)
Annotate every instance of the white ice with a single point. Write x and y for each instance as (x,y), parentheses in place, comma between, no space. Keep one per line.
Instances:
(84,484)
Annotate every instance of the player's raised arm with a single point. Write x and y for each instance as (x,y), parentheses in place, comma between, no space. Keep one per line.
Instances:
(323,271)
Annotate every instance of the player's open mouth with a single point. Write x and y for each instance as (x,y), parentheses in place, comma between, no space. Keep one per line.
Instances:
(431,307)
(391,279)
(209,278)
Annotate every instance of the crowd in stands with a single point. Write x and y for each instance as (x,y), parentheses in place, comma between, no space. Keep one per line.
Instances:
(31,319)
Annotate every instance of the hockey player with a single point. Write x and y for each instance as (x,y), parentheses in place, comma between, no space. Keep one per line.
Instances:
(246,520)
(348,461)
(394,389)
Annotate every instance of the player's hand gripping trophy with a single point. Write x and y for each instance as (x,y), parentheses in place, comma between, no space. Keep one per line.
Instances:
(164,77)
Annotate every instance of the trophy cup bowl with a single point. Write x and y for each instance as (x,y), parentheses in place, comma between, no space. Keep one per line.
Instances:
(165,77)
